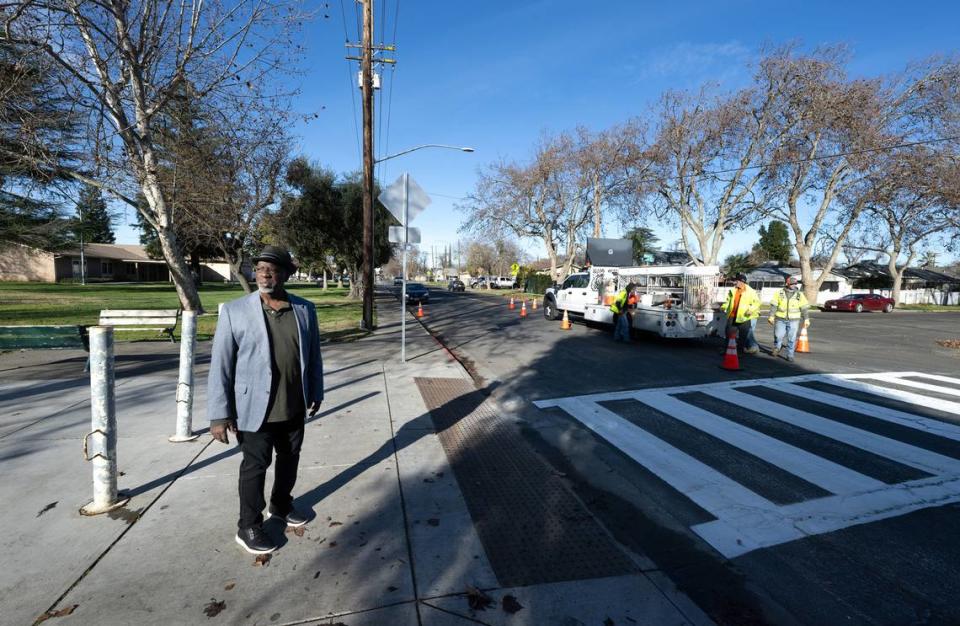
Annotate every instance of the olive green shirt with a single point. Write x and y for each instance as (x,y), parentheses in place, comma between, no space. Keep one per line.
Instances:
(286,386)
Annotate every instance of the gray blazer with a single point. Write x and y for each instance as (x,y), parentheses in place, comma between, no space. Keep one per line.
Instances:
(240,373)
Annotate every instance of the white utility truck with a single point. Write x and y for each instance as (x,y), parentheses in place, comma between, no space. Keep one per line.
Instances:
(674,300)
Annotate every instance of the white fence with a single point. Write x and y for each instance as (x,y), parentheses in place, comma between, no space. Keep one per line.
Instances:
(919,296)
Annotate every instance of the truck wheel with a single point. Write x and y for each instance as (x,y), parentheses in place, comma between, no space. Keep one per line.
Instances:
(550,309)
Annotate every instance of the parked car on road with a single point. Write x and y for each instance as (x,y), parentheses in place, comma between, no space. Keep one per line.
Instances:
(479,282)
(860,302)
(503,282)
(397,281)
(417,292)
(456,285)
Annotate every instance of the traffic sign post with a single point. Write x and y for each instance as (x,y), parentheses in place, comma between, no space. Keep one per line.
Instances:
(405,200)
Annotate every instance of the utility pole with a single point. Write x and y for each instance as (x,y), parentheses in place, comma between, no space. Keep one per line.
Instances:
(366,70)
(367,85)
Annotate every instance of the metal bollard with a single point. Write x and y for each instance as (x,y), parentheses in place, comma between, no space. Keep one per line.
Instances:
(104,424)
(188,341)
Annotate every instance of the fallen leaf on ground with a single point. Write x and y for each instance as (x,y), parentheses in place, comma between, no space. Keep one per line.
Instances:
(332,524)
(298,531)
(478,600)
(333,544)
(317,575)
(391,588)
(261,560)
(47,508)
(433,521)
(229,586)
(213,608)
(510,604)
(950,343)
(61,613)
(428,480)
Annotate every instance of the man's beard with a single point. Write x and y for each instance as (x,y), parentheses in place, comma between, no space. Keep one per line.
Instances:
(267,289)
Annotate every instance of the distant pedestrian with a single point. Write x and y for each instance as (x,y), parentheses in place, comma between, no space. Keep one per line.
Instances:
(742,309)
(266,373)
(621,313)
(788,309)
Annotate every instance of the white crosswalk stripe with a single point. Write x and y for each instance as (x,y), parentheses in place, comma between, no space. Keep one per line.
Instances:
(745,520)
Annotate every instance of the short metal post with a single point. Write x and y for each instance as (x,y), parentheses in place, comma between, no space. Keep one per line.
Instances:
(103,424)
(188,341)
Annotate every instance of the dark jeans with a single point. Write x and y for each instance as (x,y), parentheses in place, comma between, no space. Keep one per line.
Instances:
(284,438)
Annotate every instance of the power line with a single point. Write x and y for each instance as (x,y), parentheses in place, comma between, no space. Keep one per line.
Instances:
(353,95)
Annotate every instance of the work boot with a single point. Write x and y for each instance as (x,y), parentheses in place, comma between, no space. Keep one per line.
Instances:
(255,541)
(775,352)
(752,350)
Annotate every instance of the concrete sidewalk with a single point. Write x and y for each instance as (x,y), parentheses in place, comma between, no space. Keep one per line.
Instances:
(394,540)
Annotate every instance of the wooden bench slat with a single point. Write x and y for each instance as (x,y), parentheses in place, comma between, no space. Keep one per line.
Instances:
(140,321)
(140,313)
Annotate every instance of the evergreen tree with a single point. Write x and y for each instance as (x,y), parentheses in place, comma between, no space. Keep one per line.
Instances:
(94,221)
(644,242)
(37,135)
(774,244)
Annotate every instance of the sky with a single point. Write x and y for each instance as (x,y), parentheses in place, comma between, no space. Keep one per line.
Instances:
(496,74)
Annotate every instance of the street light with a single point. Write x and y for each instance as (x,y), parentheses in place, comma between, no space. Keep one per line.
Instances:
(426,145)
(367,271)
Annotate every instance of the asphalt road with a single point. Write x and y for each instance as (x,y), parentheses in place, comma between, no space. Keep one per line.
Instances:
(816,501)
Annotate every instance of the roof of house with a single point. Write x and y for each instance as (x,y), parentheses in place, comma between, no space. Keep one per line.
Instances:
(112,251)
(872,269)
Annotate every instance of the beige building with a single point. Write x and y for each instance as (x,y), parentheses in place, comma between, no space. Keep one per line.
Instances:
(103,261)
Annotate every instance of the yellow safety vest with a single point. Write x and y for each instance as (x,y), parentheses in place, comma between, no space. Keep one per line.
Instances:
(749,304)
(789,307)
(619,302)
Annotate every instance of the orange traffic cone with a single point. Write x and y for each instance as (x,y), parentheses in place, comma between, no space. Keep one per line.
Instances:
(533,302)
(420,309)
(565,323)
(523,309)
(730,360)
(512,305)
(803,342)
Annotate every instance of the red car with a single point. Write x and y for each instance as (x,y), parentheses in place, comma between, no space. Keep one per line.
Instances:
(860,302)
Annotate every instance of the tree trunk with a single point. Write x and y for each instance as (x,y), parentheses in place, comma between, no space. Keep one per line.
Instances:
(356,287)
(325,279)
(236,271)
(597,198)
(179,271)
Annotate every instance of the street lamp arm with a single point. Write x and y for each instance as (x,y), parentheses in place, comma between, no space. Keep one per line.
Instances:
(428,145)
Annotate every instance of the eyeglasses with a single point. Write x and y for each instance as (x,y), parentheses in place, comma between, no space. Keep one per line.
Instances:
(266,269)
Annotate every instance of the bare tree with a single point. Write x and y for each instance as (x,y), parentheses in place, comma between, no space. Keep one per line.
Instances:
(707,157)
(129,59)
(832,166)
(904,213)
(571,178)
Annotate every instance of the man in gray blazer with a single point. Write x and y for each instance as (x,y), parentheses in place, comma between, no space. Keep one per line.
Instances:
(265,375)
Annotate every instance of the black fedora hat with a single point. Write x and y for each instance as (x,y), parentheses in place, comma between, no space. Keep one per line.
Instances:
(277,256)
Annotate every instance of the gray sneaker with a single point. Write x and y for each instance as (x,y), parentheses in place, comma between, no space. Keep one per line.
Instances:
(776,351)
(789,358)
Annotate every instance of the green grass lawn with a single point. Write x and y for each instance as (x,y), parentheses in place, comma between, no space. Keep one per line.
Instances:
(49,304)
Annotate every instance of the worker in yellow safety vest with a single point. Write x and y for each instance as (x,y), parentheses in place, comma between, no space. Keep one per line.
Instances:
(788,309)
(621,319)
(742,309)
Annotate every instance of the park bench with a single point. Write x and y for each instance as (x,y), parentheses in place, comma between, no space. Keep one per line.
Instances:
(45,337)
(164,320)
